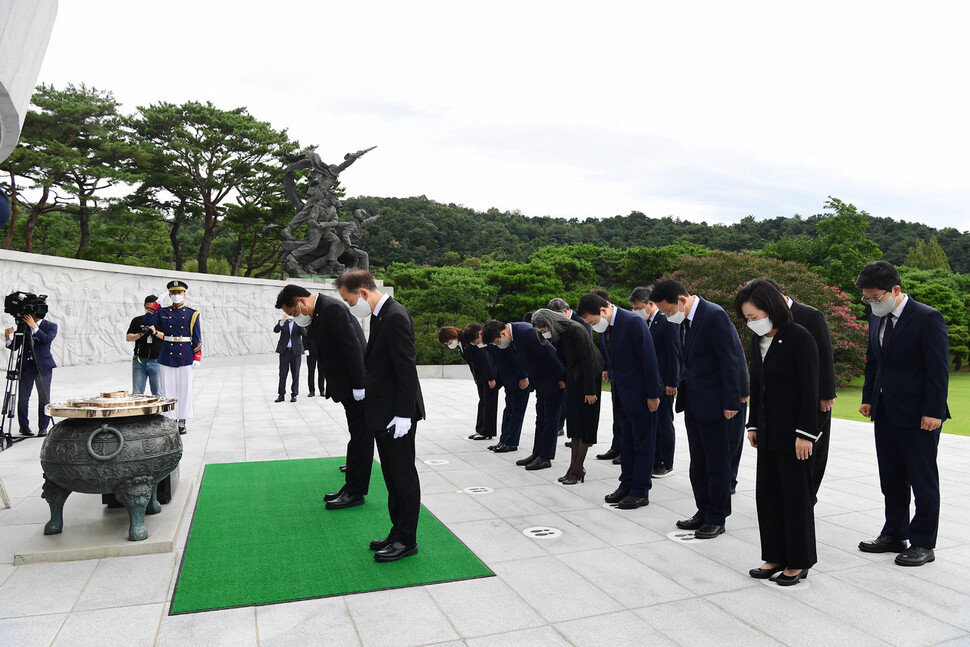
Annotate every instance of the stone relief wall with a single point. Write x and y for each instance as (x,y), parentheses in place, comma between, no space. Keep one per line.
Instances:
(93,303)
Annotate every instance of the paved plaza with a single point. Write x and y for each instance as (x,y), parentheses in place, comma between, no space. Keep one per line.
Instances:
(612,577)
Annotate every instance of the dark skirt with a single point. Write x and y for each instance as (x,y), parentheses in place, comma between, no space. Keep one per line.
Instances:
(582,420)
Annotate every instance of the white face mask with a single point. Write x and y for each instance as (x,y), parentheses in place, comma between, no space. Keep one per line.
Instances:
(761,327)
(640,312)
(677,317)
(453,344)
(602,324)
(883,308)
(360,309)
(503,343)
(302,320)
(547,334)
(178,297)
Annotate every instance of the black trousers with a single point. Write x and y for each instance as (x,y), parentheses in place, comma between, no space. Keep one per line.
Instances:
(736,436)
(547,424)
(403,488)
(487,416)
(516,401)
(360,449)
(315,369)
(28,377)
(710,466)
(665,432)
(637,440)
(290,363)
(820,453)
(786,513)
(907,463)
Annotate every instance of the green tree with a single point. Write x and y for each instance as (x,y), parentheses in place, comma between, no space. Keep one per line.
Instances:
(928,256)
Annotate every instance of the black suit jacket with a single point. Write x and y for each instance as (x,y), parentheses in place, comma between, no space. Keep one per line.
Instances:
(666,343)
(478,361)
(42,338)
(714,377)
(298,334)
(908,377)
(784,389)
(393,389)
(340,342)
(814,322)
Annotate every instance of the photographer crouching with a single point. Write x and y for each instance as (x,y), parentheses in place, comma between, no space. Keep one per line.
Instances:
(34,334)
(148,345)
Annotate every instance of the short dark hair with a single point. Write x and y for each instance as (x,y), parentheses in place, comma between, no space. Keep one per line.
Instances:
(641,294)
(471,333)
(289,294)
(764,296)
(527,316)
(492,330)
(880,275)
(603,294)
(151,298)
(558,305)
(448,333)
(590,304)
(354,280)
(668,290)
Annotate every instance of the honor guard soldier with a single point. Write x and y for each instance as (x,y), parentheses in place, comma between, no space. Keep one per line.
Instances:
(181,350)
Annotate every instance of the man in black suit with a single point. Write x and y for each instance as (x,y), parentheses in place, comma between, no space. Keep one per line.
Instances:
(904,394)
(37,366)
(710,395)
(814,321)
(666,343)
(392,407)
(290,348)
(333,328)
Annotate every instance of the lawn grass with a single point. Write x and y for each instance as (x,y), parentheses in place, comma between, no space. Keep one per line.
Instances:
(958,399)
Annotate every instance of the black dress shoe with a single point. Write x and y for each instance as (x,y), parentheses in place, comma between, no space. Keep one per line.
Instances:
(333,495)
(616,461)
(310,394)
(708,531)
(279,399)
(26,432)
(693,523)
(765,573)
(791,580)
(884,544)
(345,501)
(525,461)
(395,551)
(608,455)
(181,426)
(539,464)
(42,432)
(568,443)
(501,449)
(343,468)
(380,544)
(293,399)
(662,472)
(915,556)
(630,502)
(618,495)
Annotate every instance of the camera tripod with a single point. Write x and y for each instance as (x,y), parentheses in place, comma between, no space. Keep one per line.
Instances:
(15,368)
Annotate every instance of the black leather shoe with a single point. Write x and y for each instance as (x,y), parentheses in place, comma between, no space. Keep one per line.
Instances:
(525,461)
(279,399)
(293,399)
(630,502)
(345,501)
(343,468)
(616,461)
(538,464)
(501,449)
(333,495)
(608,455)
(380,544)
(708,531)
(26,432)
(492,448)
(785,580)
(693,523)
(662,472)
(884,544)
(42,433)
(310,394)
(395,551)
(181,426)
(618,495)
(568,443)
(764,573)
(915,556)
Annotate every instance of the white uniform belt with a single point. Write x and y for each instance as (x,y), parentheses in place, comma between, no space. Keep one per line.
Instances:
(177,339)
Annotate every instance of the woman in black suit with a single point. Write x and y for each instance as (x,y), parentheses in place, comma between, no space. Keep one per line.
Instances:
(783,426)
(583,381)
(482,372)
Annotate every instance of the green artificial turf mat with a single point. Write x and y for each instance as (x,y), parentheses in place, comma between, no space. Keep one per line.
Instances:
(260,534)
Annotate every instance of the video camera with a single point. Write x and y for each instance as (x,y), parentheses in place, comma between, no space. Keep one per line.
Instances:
(21,304)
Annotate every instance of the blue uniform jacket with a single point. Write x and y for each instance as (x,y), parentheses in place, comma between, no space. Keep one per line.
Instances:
(176,322)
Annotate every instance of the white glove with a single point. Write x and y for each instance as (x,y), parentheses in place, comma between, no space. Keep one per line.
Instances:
(307,353)
(401,426)
(195,363)
(358,394)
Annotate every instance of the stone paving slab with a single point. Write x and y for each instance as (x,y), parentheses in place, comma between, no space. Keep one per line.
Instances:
(612,577)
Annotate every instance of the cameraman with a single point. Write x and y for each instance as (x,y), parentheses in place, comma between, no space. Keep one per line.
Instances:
(37,364)
(148,345)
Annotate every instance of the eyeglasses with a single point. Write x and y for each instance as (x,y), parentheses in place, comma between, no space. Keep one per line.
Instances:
(880,299)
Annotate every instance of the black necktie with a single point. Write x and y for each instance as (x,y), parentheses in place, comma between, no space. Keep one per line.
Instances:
(609,341)
(685,328)
(887,329)
(286,333)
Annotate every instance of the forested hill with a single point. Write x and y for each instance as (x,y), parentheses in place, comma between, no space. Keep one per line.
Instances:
(422,230)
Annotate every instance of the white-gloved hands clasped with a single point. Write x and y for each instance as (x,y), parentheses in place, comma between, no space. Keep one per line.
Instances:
(358,394)
(401,426)
(196,363)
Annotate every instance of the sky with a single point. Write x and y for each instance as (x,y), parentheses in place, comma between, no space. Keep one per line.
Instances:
(705,111)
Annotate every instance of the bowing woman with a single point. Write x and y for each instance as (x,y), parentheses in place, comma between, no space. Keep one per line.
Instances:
(783,426)
(482,372)
(583,381)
